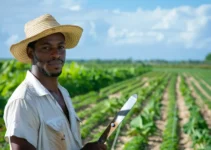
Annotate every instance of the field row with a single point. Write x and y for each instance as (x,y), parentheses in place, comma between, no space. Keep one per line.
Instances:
(161,119)
(173,110)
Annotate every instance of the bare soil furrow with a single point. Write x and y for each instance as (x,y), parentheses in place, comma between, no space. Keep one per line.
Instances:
(205,111)
(155,140)
(199,87)
(185,141)
(123,137)
(97,130)
(207,85)
(118,94)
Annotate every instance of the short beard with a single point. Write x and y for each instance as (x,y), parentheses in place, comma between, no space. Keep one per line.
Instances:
(42,70)
(49,74)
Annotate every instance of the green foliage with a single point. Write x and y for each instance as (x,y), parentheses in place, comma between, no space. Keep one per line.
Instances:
(208,57)
(79,79)
(144,124)
(76,78)
(138,142)
(170,134)
(196,127)
(110,106)
(92,84)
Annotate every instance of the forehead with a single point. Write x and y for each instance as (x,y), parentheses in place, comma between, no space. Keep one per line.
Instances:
(56,37)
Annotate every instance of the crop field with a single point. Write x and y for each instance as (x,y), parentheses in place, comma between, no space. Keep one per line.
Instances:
(173,110)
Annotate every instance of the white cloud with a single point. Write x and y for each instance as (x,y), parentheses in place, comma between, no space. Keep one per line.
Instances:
(126,36)
(75,8)
(71,5)
(167,20)
(116,11)
(183,25)
(92,31)
(47,2)
(11,40)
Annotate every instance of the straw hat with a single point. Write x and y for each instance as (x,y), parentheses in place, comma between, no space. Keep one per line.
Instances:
(40,27)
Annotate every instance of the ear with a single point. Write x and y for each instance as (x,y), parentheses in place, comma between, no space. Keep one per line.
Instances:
(29,51)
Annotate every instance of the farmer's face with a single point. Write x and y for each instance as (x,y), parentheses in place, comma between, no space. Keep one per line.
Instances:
(49,54)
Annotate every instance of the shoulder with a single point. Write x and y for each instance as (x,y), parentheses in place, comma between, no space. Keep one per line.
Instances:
(23,92)
(23,99)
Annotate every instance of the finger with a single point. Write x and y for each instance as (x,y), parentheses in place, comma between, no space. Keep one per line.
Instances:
(103,147)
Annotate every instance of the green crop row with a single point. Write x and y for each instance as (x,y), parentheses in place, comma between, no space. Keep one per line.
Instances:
(204,98)
(205,76)
(170,133)
(110,106)
(144,125)
(79,98)
(79,80)
(76,78)
(99,97)
(204,87)
(125,88)
(99,105)
(142,94)
(196,127)
(121,84)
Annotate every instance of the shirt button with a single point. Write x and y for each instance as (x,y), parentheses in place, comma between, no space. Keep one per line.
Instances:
(63,138)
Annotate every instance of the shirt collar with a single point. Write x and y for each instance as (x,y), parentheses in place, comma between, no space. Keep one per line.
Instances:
(37,86)
(64,92)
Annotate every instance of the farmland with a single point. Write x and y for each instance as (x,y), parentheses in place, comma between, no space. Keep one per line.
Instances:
(173,110)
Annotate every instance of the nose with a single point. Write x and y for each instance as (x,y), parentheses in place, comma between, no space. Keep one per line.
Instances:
(55,52)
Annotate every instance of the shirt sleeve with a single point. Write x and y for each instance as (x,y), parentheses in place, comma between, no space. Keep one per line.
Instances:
(21,121)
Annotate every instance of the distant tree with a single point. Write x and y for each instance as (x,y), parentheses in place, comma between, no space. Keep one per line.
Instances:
(208,57)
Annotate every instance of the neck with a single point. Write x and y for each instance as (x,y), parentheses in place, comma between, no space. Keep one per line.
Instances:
(50,83)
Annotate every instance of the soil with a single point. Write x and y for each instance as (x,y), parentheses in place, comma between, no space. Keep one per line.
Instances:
(205,111)
(207,85)
(155,140)
(199,87)
(185,142)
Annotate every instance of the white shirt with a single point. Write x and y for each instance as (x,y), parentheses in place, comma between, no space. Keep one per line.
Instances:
(32,113)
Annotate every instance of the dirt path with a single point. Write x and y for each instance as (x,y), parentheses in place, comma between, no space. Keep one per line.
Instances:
(123,137)
(185,141)
(206,84)
(205,111)
(115,95)
(199,87)
(155,140)
(146,82)
(97,130)
(119,94)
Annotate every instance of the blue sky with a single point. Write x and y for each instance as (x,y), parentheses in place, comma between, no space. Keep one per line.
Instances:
(119,29)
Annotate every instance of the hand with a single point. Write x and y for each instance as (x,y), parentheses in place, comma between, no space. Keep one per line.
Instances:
(94,146)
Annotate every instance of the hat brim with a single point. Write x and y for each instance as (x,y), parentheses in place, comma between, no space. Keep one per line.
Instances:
(72,36)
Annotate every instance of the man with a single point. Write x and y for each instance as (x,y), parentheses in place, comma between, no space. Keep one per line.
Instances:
(39,114)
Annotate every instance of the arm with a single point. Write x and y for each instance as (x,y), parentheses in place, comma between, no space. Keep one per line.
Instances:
(20,144)
(22,125)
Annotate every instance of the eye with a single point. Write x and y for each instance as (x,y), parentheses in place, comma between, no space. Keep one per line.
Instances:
(45,47)
(61,47)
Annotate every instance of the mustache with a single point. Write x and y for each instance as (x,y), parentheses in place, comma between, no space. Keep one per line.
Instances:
(58,60)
